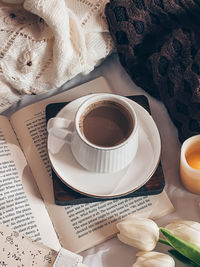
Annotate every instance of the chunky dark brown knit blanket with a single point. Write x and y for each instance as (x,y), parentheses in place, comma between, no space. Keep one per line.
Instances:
(158,43)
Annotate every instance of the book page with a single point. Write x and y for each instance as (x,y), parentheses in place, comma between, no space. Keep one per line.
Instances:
(85,225)
(21,204)
(19,250)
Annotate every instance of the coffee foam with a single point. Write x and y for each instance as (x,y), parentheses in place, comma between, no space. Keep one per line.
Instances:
(112,105)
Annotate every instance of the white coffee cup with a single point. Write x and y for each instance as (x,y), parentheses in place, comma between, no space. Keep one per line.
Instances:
(83,139)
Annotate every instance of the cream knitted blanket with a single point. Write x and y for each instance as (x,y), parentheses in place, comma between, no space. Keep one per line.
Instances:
(44,43)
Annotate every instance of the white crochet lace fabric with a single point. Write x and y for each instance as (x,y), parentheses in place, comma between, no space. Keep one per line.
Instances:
(44,43)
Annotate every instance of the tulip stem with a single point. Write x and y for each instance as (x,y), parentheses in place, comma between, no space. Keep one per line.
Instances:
(163,241)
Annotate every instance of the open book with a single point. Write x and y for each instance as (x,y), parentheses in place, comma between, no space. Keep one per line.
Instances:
(26,192)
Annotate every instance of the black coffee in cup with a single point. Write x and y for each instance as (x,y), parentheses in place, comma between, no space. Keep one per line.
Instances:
(106,123)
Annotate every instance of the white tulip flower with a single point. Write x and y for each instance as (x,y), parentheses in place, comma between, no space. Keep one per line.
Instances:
(141,233)
(186,230)
(153,259)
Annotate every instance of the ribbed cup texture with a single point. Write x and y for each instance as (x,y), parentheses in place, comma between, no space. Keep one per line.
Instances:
(104,160)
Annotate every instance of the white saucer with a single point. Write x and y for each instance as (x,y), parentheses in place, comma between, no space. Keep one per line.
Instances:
(111,185)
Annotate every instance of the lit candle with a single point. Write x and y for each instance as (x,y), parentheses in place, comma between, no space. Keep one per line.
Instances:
(190,164)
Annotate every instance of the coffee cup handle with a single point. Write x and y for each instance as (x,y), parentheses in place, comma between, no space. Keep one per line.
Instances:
(61,128)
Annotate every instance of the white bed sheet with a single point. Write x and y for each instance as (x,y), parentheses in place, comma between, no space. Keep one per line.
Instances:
(113,253)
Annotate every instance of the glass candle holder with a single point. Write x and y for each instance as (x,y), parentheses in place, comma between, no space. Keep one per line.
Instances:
(190,164)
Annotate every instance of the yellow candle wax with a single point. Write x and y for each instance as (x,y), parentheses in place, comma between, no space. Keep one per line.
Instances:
(193,159)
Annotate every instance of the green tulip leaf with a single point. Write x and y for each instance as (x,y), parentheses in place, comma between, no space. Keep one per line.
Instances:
(182,258)
(185,248)
(164,241)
